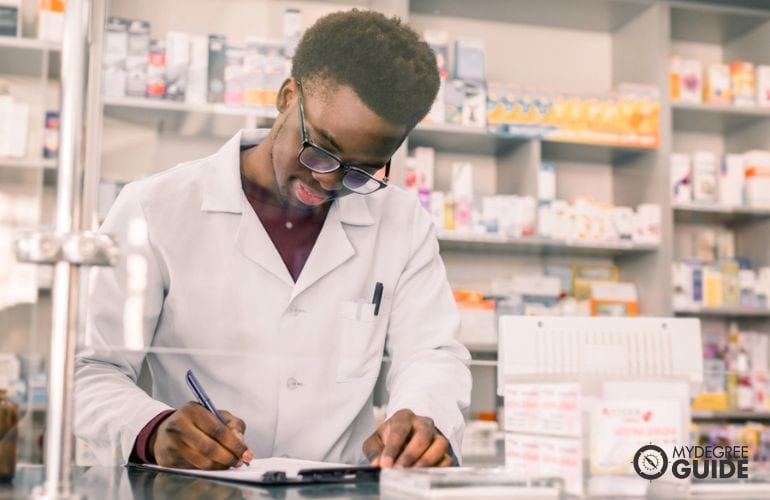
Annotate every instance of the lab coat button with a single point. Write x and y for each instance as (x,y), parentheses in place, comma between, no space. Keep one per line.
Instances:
(293,383)
(294,311)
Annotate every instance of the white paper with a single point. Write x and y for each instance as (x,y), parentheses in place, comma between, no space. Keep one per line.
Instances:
(256,469)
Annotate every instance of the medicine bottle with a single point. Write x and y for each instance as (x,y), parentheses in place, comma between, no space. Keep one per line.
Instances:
(9,418)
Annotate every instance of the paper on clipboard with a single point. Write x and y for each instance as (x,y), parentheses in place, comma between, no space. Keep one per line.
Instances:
(255,472)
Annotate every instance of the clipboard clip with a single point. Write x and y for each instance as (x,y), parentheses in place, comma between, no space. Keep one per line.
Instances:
(274,476)
(340,475)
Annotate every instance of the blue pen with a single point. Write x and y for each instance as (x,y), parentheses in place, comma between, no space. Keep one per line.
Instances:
(203,398)
(201,395)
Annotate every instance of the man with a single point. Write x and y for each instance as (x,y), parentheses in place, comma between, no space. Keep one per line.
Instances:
(264,263)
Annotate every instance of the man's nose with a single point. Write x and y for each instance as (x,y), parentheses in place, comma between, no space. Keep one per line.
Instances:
(329,182)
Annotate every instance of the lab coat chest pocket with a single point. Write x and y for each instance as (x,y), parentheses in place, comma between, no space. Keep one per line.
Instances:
(360,341)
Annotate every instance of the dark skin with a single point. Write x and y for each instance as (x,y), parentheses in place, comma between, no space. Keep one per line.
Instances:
(337,120)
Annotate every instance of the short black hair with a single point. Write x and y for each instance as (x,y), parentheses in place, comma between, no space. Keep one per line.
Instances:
(380,58)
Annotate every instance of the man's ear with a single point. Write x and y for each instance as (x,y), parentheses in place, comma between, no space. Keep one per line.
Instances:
(286,95)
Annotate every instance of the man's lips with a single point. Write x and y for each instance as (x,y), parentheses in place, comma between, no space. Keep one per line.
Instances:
(307,195)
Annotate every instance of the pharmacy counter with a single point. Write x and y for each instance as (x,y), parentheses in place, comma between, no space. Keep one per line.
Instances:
(121,483)
(127,483)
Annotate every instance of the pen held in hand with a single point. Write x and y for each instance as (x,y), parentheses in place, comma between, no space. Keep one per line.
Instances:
(204,400)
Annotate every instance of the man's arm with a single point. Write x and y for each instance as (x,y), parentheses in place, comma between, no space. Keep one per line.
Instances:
(428,376)
(110,409)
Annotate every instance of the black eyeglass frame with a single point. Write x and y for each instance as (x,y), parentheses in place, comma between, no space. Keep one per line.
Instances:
(307,143)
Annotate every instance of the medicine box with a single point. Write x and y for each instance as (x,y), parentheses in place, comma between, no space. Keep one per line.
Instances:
(763,86)
(681,178)
(731,180)
(136,58)
(704,170)
(717,84)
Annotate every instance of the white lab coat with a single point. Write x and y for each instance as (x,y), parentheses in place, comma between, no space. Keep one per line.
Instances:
(296,361)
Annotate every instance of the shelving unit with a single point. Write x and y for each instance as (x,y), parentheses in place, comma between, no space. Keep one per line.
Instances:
(450,240)
(722,34)
(717,34)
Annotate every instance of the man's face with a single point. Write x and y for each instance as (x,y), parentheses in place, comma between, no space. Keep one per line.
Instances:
(339,122)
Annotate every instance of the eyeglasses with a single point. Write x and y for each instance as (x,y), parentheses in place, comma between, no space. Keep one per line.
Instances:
(322,161)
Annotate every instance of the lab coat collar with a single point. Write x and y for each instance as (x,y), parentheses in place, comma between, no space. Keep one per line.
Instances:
(223,192)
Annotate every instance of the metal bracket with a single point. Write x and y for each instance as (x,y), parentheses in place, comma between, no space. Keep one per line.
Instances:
(85,248)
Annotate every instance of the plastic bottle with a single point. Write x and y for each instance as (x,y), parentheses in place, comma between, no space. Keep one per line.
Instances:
(9,418)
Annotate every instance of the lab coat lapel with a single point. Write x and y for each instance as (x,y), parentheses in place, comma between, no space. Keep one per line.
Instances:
(222,192)
(333,246)
(253,241)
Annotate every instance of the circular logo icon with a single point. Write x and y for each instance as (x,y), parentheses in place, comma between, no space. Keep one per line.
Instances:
(650,462)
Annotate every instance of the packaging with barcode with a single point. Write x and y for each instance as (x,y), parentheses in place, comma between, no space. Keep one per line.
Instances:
(114,57)
(197,84)
(177,62)
(136,58)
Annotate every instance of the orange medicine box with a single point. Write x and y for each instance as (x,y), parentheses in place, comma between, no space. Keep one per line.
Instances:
(717,89)
(742,78)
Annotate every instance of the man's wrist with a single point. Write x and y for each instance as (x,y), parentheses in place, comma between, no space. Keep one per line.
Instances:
(145,440)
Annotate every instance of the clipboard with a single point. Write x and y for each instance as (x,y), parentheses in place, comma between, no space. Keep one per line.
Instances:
(307,476)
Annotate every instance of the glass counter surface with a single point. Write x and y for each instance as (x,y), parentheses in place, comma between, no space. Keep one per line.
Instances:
(131,483)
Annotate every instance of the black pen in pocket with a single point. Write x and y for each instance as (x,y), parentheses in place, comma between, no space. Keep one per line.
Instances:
(377,297)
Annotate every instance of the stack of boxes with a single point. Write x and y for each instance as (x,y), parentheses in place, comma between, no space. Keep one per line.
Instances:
(734,180)
(462,99)
(740,83)
(196,69)
(626,117)
(520,216)
(736,372)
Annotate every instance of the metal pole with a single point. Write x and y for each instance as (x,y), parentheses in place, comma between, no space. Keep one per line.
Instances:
(58,453)
(92,169)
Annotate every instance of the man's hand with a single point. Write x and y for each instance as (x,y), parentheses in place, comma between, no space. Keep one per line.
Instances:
(407,440)
(193,438)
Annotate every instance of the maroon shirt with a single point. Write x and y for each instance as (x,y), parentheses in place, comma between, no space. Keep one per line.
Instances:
(294,232)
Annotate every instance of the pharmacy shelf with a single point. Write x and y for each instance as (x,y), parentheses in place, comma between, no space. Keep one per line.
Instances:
(28,57)
(538,246)
(724,312)
(691,212)
(711,415)
(715,118)
(476,140)
(161,106)
(33,163)
(462,139)
(20,43)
